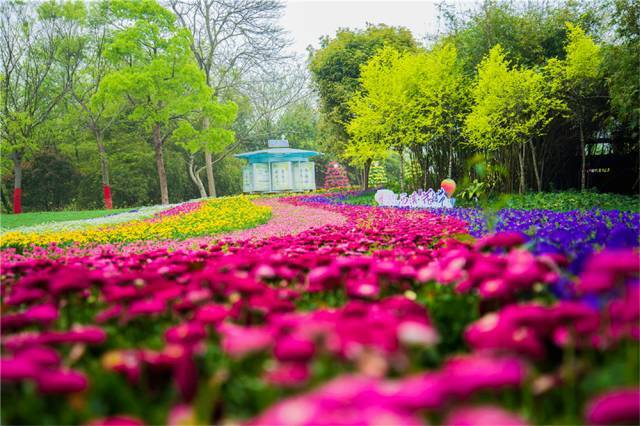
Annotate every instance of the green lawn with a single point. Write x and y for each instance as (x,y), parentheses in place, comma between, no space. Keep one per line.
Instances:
(10,221)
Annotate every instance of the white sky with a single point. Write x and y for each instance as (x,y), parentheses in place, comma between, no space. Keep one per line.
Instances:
(308,20)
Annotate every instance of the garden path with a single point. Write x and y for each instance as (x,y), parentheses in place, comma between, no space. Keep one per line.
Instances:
(287,219)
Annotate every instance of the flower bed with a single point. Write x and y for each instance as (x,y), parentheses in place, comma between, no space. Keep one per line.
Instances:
(179,222)
(395,317)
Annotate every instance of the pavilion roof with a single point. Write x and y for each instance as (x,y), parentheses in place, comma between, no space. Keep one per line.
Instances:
(277,153)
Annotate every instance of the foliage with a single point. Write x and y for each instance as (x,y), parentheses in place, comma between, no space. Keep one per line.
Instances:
(335,69)
(511,105)
(567,201)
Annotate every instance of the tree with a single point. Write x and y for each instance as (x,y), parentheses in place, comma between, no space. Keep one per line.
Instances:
(229,38)
(578,77)
(510,106)
(410,100)
(335,70)
(621,60)
(38,59)
(91,109)
(156,77)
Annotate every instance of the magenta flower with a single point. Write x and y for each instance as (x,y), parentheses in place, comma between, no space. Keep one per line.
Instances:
(483,416)
(293,348)
(146,307)
(42,356)
(465,375)
(188,333)
(61,381)
(211,314)
(620,406)
(288,374)
(239,341)
(116,421)
(16,369)
(501,240)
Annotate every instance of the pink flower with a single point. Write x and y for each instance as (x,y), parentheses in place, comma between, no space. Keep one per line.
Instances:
(239,341)
(61,381)
(116,421)
(483,416)
(620,406)
(501,240)
(187,333)
(15,369)
(294,348)
(289,374)
(471,373)
(211,314)
(42,356)
(146,307)
(417,333)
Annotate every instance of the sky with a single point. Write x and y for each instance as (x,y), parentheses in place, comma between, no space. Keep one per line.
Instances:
(308,20)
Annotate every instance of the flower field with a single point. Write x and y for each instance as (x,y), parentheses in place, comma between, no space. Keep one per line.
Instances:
(387,316)
(182,221)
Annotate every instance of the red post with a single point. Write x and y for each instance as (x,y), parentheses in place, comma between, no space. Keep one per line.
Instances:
(107,197)
(17,200)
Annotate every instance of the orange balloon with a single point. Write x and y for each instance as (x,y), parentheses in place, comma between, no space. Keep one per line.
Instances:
(449,186)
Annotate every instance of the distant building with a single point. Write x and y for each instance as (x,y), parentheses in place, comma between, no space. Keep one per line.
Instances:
(278,168)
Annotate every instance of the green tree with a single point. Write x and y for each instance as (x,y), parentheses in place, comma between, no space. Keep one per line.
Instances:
(335,71)
(510,106)
(622,61)
(38,59)
(578,78)
(157,78)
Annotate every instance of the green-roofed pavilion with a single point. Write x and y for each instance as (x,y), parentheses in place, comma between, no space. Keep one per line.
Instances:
(278,168)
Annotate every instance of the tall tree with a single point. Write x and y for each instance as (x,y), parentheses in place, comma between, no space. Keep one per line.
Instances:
(335,70)
(579,77)
(38,59)
(92,110)
(157,77)
(510,106)
(229,39)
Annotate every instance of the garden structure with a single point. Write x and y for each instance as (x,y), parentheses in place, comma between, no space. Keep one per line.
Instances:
(278,168)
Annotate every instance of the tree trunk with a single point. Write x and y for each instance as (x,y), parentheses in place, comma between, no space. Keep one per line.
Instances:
(195,178)
(521,162)
(583,157)
(208,163)
(104,171)
(450,158)
(17,182)
(401,150)
(162,174)
(535,166)
(365,176)
(210,179)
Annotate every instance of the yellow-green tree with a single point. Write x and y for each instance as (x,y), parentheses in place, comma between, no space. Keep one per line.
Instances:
(510,107)
(577,78)
(409,100)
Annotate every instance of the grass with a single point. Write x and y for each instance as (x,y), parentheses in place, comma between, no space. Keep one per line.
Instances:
(10,221)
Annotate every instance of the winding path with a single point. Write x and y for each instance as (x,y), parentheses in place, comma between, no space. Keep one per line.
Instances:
(286,219)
